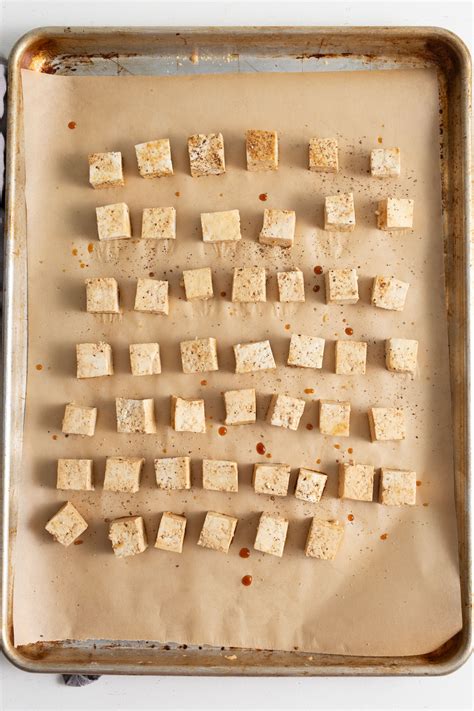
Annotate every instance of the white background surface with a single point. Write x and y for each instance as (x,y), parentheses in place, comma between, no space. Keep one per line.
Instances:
(19,690)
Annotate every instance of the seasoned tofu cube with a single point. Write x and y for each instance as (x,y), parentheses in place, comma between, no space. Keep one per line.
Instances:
(159,223)
(79,420)
(385,162)
(395,214)
(66,525)
(220,475)
(356,481)
(262,150)
(135,416)
(291,286)
(387,423)
(306,351)
(206,154)
(339,213)
(323,155)
(334,418)
(271,534)
(342,286)
(154,158)
(250,357)
(285,411)
(249,285)
(310,485)
(145,358)
(123,474)
(187,415)
(199,355)
(170,536)
(198,284)
(217,532)
(324,539)
(401,355)
(94,360)
(271,479)
(105,170)
(389,293)
(221,226)
(128,536)
(75,474)
(278,228)
(351,357)
(102,296)
(397,487)
(113,222)
(152,296)
(173,473)
(240,407)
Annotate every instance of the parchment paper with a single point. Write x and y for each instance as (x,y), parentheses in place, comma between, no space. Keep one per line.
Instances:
(384,597)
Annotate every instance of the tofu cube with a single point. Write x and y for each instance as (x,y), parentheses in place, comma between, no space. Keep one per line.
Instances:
(249,285)
(105,170)
(291,286)
(75,474)
(385,162)
(135,416)
(94,360)
(278,228)
(310,485)
(199,355)
(401,355)
(334,418)
(206,154)
(159,223)
(356,481)
(323,155)
(387,423)
(173,473)
(79,420)
(66,525)
(128,536)
(351,357)
(271,479)
(170,536)
(145,358)
(240,407)
(395,214)
(397,487)
(123,474)
(339,213)
(154,158)
(188,415)
(152,296)
(285,411)
(220,475)
(262,150)
(324,539)
(271,534)
(342,286)
(250,357)
(102,296)
(113,222)
(306,351)
(198,284)
(217,532)
(221,226)
(389,293)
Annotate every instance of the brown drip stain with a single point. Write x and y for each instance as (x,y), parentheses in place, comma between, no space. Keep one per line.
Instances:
(151,274)
(223,294)
(82,265)
(350,450)
(380,139)
(247,580)
(418,483)
(177,193)
(287,326)
(318,461)
(263,197)
(350,517)
(54,436)
(72,124)
(349,331)
(316,288)
(425,504)
(384,536)
(222,431)
(309,426)
(260,448)
(318,270)
(74,252)
(309,391)
(244,553)
(78,543)
(38,366)
(268,455)
(337,446)
(203,382)
(90,248)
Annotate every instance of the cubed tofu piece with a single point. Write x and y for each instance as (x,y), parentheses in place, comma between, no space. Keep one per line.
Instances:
(113,222)
(262,150)
(154,158)
(75,474)
(306,351)
(240,407)
(339,213)
(135,415)
(395,214)
(401,355)
(221,226)
(334,418)
(152,296)
(170,536)
(66,525)
(389,293)
(206,154)
(342,286)
(159,223)
(250,357)
(324,539)
(145,358)
(199,355)
(285,411)
(173,473)
(323,155)
(198,284)
(188,415)
(271,534)
(310,485)
(278,228)
(217,532)
(271,479)
(220,475)
(79,420)
(94,360)
(249,285)
(128,536)
(102,296)
(291,286)
(351,357)
(356,481)
(105,170)
(385,162)
(397,487)
(123,474)
(387,423)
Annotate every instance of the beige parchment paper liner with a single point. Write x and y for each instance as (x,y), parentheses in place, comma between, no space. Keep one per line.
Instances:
(397,596)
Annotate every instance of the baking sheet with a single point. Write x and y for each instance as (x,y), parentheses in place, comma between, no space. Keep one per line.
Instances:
(386,597)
